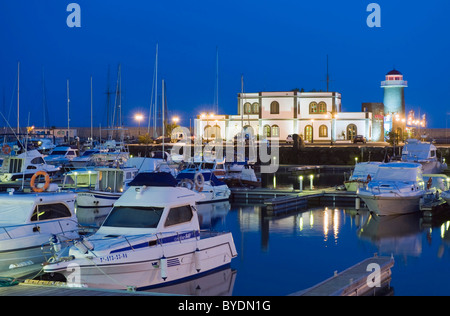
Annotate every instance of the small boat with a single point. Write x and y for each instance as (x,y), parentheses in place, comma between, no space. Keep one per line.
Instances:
(151,238)
(109,186)
(24,166)
(423,153)
(362,174)
(61,155)
(240,174)
(204,181)
(29,220)
(86,159)
(396,188)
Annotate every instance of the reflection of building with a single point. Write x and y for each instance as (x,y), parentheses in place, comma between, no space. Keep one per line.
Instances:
(316,116)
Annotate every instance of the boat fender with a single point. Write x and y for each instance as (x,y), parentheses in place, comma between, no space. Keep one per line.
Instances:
(197,260)
(199,181)
(163,267)
(429,183)
(83,245)
(55,244)
(34,186)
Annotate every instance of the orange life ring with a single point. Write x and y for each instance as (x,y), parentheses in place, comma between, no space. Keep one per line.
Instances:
(46,184)
(6,149)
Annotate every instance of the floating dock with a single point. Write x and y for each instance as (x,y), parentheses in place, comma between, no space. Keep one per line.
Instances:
(275,200)
(361,279)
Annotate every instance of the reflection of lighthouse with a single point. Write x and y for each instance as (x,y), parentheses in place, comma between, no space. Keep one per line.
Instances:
(394,101)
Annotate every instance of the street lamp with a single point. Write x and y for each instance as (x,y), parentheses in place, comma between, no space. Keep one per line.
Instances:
(139,117)
(175,119)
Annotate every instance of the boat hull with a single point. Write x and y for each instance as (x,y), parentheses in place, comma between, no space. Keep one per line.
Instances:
(145,267)
(391,205)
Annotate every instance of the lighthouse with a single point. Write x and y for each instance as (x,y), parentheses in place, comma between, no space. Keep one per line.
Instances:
(394,101)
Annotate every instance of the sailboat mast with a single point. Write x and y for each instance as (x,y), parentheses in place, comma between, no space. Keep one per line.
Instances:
(156,94)
(68,112)
(162,107)
(92,127)
(18,81)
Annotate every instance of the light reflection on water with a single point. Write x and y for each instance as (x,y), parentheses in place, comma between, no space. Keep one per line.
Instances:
(279,255)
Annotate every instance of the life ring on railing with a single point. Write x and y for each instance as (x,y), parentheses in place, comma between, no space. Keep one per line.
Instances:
(369,178)
(199,181)
(429,183)
(6,149)
(33,180)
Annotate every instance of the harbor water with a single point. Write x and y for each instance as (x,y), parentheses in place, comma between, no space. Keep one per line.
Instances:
(299,248)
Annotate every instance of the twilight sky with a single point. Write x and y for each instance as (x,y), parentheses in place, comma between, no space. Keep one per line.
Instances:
(276,45)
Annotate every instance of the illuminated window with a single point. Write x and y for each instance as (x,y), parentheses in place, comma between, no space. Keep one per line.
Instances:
(308,133)
(275,131)
(255,108)
(247,108)
(323,131)
(322,107)
(312,108)
(267,130)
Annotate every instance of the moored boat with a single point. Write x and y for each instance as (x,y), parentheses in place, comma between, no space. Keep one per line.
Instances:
(29,220)
(396,189)
(362,174)
(150,238)
(424,153)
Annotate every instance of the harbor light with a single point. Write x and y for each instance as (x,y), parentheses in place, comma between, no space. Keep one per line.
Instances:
(356,160)
(139,117)
(300,180)
(175,119)
(311,178)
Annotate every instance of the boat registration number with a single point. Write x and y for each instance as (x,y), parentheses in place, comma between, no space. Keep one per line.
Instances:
(114,257)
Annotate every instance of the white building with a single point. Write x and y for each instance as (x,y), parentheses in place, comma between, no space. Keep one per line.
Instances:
(315,116)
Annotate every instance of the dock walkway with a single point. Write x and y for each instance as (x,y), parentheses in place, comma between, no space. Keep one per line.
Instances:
(354,281)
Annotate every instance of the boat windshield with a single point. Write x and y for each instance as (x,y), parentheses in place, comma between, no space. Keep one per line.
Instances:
(134,217)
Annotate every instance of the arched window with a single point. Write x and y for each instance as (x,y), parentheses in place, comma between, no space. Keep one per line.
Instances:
(323,131)
(255,108)
(275,131)
(313,108)
(207,132)
(267,130)
(322,107)
(274,108)
(247,108)
(352,131)
(308,133)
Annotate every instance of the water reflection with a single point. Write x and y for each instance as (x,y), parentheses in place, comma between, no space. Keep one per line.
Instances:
(396,234)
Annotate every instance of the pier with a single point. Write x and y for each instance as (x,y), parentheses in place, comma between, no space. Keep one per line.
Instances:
(275,200)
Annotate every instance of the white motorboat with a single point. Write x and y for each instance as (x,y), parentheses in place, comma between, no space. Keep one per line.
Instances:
(86,159)
(205,182)
(362,174)
(423,153)
(29,220)
(109,186)
(150,238)
(24,166)
(396,189)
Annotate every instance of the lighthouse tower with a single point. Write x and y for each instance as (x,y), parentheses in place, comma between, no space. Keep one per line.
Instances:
(394,101)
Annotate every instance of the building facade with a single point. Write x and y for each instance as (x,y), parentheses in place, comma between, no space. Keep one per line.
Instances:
(315,116)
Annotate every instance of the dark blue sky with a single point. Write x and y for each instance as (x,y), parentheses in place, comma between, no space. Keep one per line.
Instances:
(277,45)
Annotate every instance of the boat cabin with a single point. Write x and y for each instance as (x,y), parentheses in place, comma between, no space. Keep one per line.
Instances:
(152,204)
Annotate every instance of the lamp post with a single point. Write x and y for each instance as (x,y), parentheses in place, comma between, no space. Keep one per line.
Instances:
(139,117)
